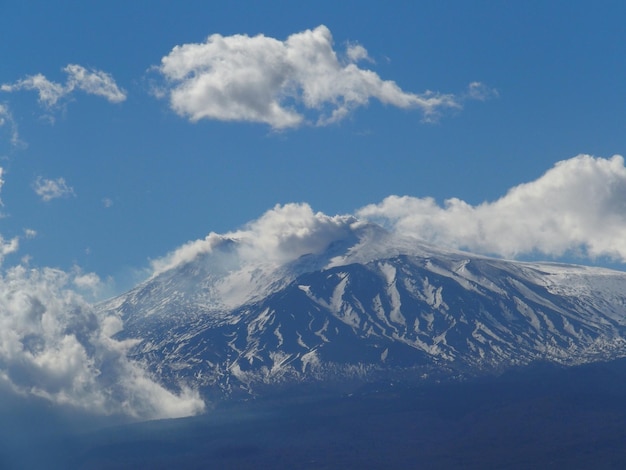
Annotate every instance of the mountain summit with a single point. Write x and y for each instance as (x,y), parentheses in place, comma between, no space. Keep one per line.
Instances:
(366,307)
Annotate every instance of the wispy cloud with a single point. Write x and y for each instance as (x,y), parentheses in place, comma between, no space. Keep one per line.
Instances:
(30,233)
(282,234)
(1,183)
(6,119)
(48,189)
(8,247)
(481,92)
(94,82)
(266,80)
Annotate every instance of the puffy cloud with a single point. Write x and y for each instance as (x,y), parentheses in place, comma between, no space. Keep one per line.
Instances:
(49,189)
(94,82)
(54,345)
(262,79)
(290,231)
(577,206)
(357,52)
(87,281)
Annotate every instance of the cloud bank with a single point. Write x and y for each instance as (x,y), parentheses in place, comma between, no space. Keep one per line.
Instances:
(93,82)
(578,206)
(266,80)
(54,345)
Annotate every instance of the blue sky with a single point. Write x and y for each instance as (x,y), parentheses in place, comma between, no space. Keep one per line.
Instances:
(107,179)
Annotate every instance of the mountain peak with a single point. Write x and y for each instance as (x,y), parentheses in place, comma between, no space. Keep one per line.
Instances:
(368,306)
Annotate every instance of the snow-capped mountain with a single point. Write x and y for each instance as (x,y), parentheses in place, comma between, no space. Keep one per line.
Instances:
(369,306)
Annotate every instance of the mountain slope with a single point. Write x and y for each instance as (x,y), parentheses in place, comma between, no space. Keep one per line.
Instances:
(360,312)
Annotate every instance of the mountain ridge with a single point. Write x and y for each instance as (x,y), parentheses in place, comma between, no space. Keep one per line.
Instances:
(349,314)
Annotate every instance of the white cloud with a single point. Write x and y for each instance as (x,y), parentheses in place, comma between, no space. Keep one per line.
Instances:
(49,189)
(49,92)
(282,234)
(94,82)
(8,246)
(481,92)
(246,261)
(87,280)
(357,52)
(262,79)
(578,206)
(290,231)
(53,344)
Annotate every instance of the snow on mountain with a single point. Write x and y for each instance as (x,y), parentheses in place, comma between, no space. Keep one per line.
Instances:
(369,306)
